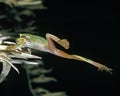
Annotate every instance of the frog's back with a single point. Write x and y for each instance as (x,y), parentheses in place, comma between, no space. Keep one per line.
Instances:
(36,39)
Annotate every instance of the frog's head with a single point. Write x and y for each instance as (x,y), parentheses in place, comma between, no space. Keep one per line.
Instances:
(21,41)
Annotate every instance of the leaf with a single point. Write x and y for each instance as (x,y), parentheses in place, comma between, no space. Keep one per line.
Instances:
(31,23)
(6,60)
(5,71)
(43,79)
(17,18)
(40,71)
(55,94)
(2,16)
(24,56)
(40,90)
(5,31)
(27,12)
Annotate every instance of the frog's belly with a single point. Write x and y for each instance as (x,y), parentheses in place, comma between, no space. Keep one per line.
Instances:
(40,47)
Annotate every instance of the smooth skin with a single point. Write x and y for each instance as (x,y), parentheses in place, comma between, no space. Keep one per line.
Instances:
(47,45)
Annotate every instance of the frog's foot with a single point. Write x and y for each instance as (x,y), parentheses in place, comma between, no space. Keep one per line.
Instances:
(105,68)
(100,67)
(64,43)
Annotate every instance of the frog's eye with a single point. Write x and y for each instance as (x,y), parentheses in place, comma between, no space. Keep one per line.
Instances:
(24,36)
(20,40)
(20,35)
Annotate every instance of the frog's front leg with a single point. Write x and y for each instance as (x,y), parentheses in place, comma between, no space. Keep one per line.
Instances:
(51,46)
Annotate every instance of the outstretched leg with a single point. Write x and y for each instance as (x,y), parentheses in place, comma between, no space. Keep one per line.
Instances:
(60,53)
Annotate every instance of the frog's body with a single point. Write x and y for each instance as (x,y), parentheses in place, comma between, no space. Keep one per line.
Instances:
(35,42)
(47,45)
(35,39)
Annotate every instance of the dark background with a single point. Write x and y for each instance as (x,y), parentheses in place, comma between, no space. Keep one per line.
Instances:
(92,30)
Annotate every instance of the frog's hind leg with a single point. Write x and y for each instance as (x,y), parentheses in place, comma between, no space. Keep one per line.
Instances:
(63,42)
(60,53)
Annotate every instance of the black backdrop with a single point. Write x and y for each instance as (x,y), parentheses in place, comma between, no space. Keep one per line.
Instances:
(92,30)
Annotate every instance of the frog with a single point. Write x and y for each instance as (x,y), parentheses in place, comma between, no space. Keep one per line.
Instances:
(47,44)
